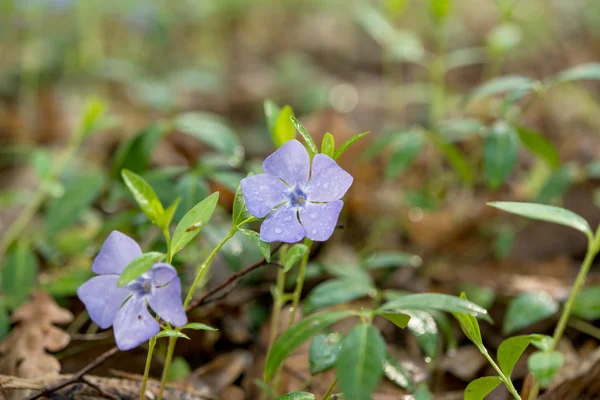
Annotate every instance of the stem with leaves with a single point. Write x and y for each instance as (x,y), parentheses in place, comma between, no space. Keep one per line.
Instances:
(507,382)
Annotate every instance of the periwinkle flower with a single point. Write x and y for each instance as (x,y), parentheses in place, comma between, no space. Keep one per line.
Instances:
(126,307)
(298,203)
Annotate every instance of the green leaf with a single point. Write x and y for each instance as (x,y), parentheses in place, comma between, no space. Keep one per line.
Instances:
(440,8)
(510,351)
(323,353)
(144,195)
(4,322)
(179,369)
(482,296)
(539,145)
(556,185)
(138,266)
(408,146)
(312,147)
(335,291)
(393,259)
(192,189)
(461,128)
(272,111)
(470,327)
(240,212)
(542,342)
(436,301)
(481,387)
(167,217)
(297,396)
(197,326)
(284,130)
(400,319)
(500,149)
(41,161)
(294,254)
(264,247)
(296,335)
(456,158)
(93,112)
(396,373)
(544,366)
(193,221)
(444,325)
(526,309)
(210,129)
(171,333)
(348,143)
(546,213)
(360,362)
(579,72)
(423,392)
(79,194)
(136,153)
(503,84)
(19,275)
(587,303)
(328,145)
(423,327)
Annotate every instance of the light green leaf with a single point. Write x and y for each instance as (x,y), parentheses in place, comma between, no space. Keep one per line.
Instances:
(169,213)
(587,303)
(481,387)
(335,291)
(500,149)
(328,145)
(323,353)
(526,309)
(436,301)
(138,266)
(179,369)
(296,335)
(272,111)
(264,247)
(171,333)
(544,366)
(470,327)
(542,342)
(297,396)
(197,326)
(144,195)
(393,259)
(579,72)
(193,221)
(440,8)
(210,129)
(360,362)
(19,275)
(546,213)
(93,111)
(510,351)
(400,319)
(503,84)
(539,145)
(294,254)
(79,194)
(284,130)
(423,392)
(312,147)
(348,143)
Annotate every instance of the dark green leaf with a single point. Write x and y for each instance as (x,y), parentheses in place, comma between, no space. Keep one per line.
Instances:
(556,185)
(144,195)
(197,326)
(264,247)
(408,147)
(297,396)
(192,189)
(539,145)
(138,266)
(393,259)
(323,352)
(312,147)
(436,301)
(284,128)
(587,303)
(294,254)
(136,154)
(193,221)
(526,309)
(396,373)
(360,362)
(79,194)
(546,213)
(328,145)
(348,143)
(210,129)
(18,275)
(579,72)
(481,387)
(500,149)
(171,333)
(544,366)
(457,160)
(400,319)
(503,84)
(295,336)
(423,392)
(335,291)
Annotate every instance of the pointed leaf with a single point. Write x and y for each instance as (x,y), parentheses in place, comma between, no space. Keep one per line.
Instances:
(193,221)
(144,195)
(297,396)
(138,266)
(19,275)
(323,353)
(527,309)
(394,259)
(587,303)
(399,319)
(510,351)
(167,217)
(310,143)
(328,145)
(543,366)
(436,301)
(210,129)
(335,291)
(348,143)
(501,149)
(240,212)
(422,325)
(539,145)
(272,111)
(503,84)
(197,326)
(284,130)
(171,333)
(579,72)
(481,387)
(408,147)
(265,248)
(294,254)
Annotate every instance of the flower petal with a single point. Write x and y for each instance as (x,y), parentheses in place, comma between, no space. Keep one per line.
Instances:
(290,162)
(102,298)
(161,274)
(282,225)
(328,181)
(319,220)
(117,251)
(166,302)
(134,324)
(262,193)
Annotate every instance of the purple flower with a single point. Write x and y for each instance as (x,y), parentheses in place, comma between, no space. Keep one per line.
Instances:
(126,307)
(298,205)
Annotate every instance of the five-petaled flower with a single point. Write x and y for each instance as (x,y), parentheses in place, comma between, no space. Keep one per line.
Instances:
(298,203)
(126,307)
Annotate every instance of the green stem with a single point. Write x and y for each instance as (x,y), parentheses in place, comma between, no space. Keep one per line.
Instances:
(170,351)
(507,381)
(168,240)
(278,300)
(331,387)
(151,345)
(299,283)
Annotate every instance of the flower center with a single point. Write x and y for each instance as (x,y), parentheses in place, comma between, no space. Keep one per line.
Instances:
(297,197)
(141,286)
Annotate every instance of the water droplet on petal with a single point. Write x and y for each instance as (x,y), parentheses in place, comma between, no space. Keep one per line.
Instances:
(314,215)
(314,231)
(256,192)
(278,230)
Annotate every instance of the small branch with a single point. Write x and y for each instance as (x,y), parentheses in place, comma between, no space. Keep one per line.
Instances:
(97,388)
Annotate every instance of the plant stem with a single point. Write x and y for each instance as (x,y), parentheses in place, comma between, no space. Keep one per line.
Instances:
(168,240)
(151,345)
(507,381)
(168,359)
(278,298)
(299,282)
(331,387)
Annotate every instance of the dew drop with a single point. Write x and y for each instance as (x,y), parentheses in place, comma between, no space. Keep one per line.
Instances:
(278,230)
(314,231)
(287,219)
(314,215)
(256,192)
(326,185)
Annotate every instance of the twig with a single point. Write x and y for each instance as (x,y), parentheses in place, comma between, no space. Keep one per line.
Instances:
(102,392)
